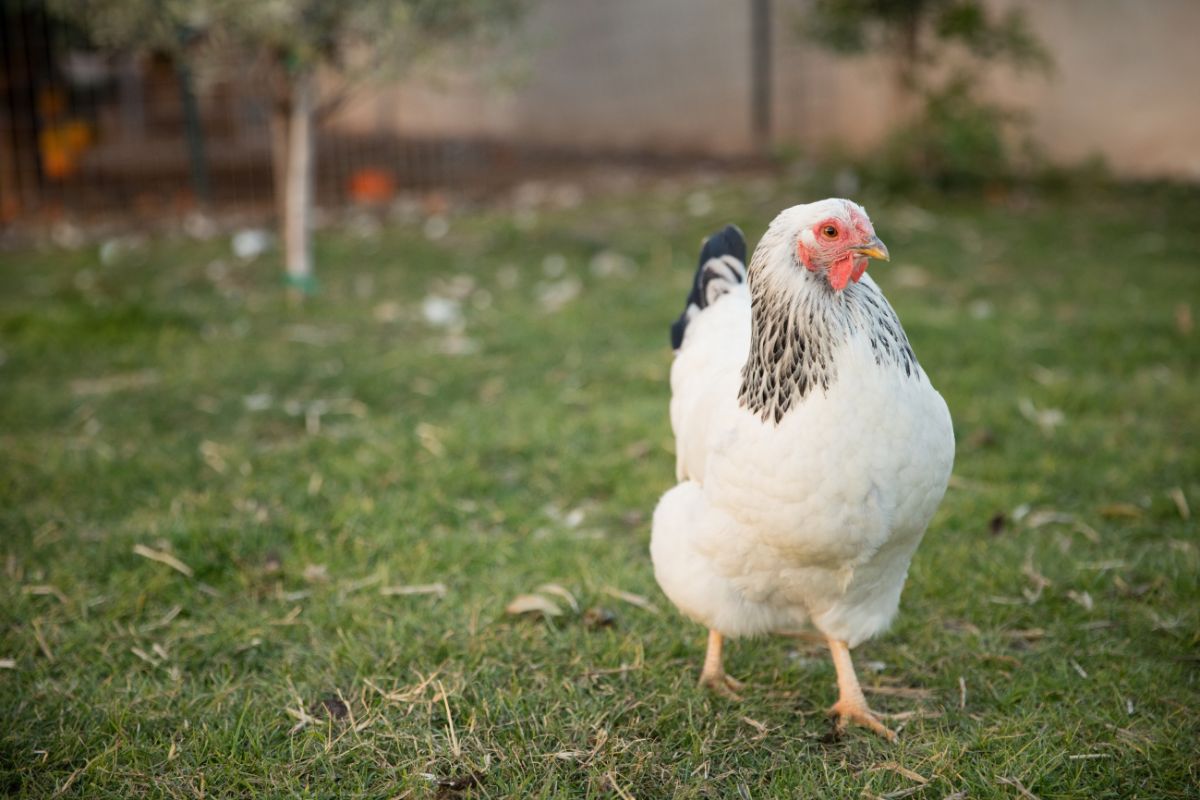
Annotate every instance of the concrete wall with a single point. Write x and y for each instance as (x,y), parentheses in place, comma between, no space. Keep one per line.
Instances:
(675,75)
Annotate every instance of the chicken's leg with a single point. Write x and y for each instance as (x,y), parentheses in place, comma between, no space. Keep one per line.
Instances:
(851,705)
(713,675)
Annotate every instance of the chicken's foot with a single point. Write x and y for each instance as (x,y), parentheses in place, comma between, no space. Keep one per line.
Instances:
(713,676)
(851,705)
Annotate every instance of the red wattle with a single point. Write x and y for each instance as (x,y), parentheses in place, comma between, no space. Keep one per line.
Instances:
(860,266)
(840,273)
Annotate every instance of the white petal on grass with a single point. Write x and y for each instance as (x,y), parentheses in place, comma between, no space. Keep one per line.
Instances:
(436,227)
(554,265)
(1047,419)
(699,203)
(251,243)
(555,296)
(442,312)
(611,264)
(259,401)
(980,309)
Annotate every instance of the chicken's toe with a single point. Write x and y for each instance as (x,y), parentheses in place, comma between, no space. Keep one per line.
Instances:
(843,713)
(722,684)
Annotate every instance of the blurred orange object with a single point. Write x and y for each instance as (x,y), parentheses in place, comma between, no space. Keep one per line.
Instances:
(371,186)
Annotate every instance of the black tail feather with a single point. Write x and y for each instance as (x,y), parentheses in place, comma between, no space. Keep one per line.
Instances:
(728,241)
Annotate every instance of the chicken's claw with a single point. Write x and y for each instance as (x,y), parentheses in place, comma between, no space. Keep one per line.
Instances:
(843,712)
(722,684)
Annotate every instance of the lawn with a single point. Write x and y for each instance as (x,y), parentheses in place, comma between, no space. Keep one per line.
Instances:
(251,550)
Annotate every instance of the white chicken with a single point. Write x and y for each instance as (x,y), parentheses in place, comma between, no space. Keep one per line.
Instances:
(811,448)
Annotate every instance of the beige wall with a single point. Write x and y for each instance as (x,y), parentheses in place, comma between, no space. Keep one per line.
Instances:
(675,75)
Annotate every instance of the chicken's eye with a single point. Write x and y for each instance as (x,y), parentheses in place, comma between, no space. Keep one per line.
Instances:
(829,232)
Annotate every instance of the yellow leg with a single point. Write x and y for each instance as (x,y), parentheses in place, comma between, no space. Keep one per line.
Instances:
(713,675)
(851,705)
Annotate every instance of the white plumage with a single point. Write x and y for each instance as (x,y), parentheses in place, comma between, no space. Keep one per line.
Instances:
(812,449)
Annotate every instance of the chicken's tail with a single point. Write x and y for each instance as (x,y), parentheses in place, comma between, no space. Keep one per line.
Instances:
(722,267)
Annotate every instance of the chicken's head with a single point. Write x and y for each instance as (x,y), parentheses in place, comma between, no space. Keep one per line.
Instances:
(834,238)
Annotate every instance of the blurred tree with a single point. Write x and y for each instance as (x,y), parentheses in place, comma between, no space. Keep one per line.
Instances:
(292,40)
(921,33)
(939,46)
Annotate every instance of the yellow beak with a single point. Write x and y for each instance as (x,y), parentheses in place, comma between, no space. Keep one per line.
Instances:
(873,249)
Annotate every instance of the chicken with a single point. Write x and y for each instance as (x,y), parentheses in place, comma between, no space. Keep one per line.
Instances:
(811,448)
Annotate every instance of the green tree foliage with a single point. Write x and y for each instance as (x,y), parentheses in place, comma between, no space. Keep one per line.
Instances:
(940,47)
(291,40)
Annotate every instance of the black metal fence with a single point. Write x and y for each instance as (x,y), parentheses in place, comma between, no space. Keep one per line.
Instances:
(86,134)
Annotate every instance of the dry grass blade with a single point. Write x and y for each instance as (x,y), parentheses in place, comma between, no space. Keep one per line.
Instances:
(455,750)
(87,765)
(616,787)
(8,663)
(43,645)
(163,558)
(560,591)
(533,604)
(758,726)
(412,694)
(438,588)
(1020,787)
(44,590)
(899,769)
(109,384)
(899,691)
(962,692)
(1120,511)
(1181,504)
(633,599)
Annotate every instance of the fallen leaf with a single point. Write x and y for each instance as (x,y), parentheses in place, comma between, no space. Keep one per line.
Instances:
(533,604)
(332,706)
(1120,511)
(1183,319)
(597,617)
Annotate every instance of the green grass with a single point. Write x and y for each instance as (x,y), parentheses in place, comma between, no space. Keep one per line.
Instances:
(300,461)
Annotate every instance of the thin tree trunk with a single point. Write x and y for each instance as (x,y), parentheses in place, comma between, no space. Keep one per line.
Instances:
(281,101)
(297,235)
(279,161)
